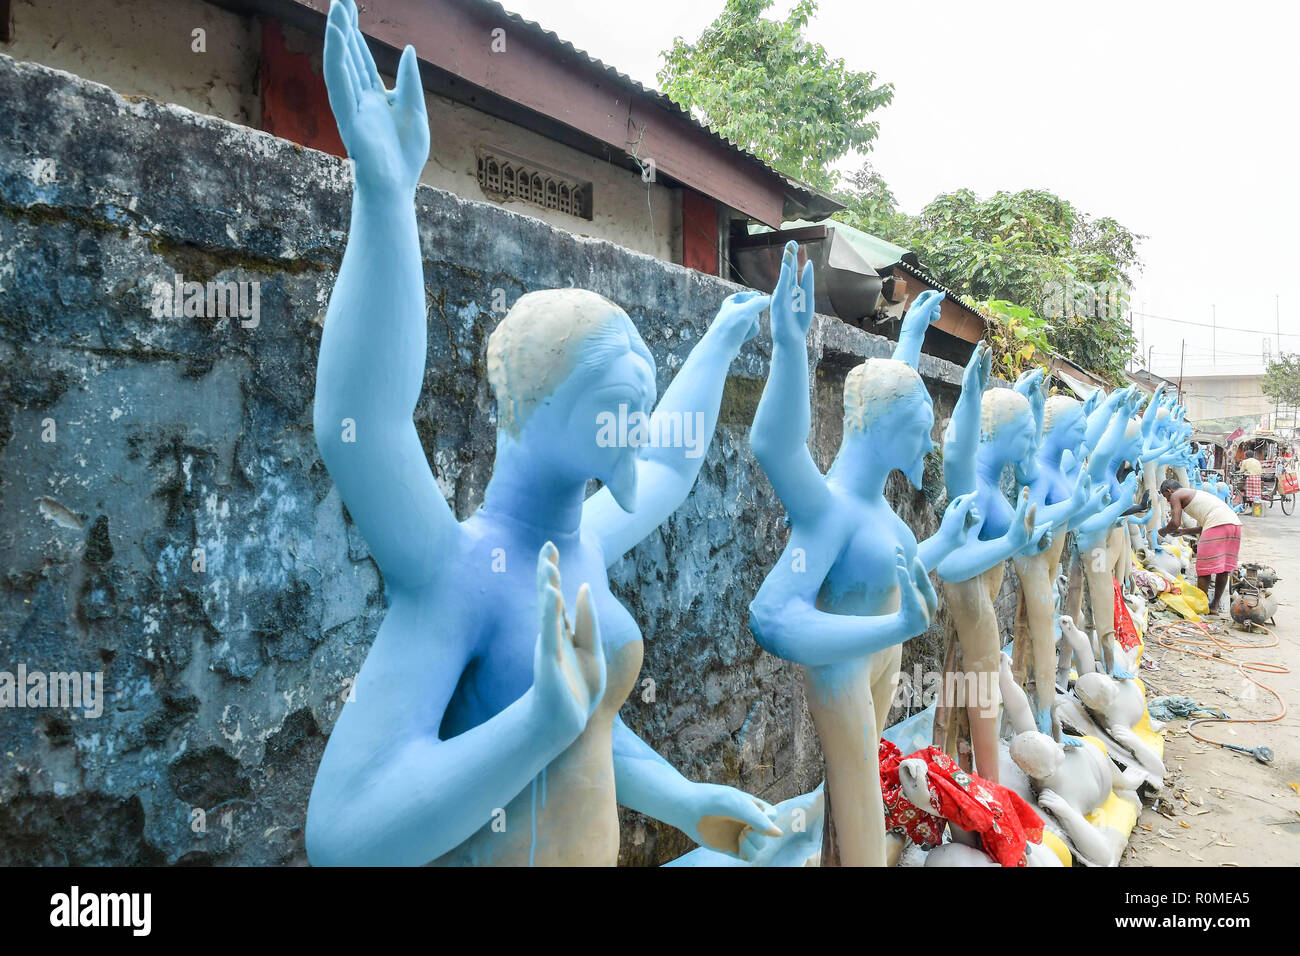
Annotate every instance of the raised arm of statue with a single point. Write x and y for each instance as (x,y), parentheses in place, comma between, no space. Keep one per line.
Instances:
(680,428)
(961,439)
(924,311)
(1102,415)
(1109,442)
(779,436)
(1151,417)
(1033,385)
(373,347)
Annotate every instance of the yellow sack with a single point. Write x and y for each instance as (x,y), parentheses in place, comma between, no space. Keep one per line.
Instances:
(1116,812)
(1053,843)
(1191,603)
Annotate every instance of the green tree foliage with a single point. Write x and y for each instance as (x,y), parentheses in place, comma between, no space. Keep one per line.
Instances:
(1048,274)
(1032,250)
(1282,379)
(761,84)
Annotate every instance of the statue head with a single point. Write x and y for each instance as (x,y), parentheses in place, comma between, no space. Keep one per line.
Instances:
(1038,755)
(565,364)
(1065,422)
(887,407)
(1097,691)
(1008,431)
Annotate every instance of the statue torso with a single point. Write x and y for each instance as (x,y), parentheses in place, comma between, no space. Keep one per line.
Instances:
(568,815)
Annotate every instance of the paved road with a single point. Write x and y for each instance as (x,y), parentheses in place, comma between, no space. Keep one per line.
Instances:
(1226,807)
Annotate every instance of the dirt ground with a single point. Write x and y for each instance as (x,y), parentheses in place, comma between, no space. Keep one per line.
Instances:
(1220,807)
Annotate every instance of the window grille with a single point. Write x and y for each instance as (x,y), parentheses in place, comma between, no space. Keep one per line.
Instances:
(508,177)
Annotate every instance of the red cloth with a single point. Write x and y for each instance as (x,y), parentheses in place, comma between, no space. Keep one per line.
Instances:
(1125,632)
(1004,821)
(1254,487)
(901,815)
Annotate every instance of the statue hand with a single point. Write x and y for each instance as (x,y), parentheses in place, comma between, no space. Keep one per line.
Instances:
(1041,538)
(1082,490)
(724,817)
(1022,524)
(386,132)
(568,663)
(1029,381)
(959,518)
(737,319)
(913,609)
(978,368)
(926,309)
(793,301)
(1053,802)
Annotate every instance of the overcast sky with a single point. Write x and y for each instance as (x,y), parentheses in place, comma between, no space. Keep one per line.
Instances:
(1181,124)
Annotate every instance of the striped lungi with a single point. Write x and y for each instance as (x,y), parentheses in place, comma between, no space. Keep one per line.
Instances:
(1217,551)
(1254,487)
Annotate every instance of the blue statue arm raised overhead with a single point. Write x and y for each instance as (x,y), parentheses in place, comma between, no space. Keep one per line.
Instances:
(785,621)
(923,312)
(1033,385)
(667,469)
(962,513)
(373,347)
(387,795)
(779,435)
(1102,415)
(1110,440)
(961,440)
(1151,417)
(711,814)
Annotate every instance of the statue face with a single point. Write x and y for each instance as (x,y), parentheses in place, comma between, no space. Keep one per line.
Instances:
(904,436)
(597,421)
(1073,428)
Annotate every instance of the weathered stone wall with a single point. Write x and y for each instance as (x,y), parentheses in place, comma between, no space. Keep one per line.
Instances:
(176,434)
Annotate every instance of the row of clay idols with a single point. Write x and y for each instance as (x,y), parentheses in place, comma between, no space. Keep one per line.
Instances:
(838,605)
(484,726)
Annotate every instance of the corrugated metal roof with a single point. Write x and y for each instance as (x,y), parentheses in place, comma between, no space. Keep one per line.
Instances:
(661,98)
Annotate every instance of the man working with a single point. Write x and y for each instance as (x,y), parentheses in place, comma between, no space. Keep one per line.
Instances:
(1220,531)
(1252,469)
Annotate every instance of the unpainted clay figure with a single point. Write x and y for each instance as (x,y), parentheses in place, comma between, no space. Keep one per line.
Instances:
(1070,782)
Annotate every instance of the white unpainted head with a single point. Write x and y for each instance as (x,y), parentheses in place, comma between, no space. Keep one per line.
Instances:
(1037,754)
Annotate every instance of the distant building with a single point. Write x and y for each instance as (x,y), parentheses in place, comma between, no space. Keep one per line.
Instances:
(1214,397)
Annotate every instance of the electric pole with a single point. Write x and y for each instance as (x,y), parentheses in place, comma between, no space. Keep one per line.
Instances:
(1182,353)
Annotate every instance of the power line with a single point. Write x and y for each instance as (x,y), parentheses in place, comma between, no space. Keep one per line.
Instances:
(1210,325)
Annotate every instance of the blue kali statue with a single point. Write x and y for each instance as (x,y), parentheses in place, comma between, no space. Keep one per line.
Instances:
(472,739)
(852,583)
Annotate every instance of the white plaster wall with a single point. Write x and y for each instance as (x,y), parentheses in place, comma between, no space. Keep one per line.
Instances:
(624,209)
(143,48)
(1224,396)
